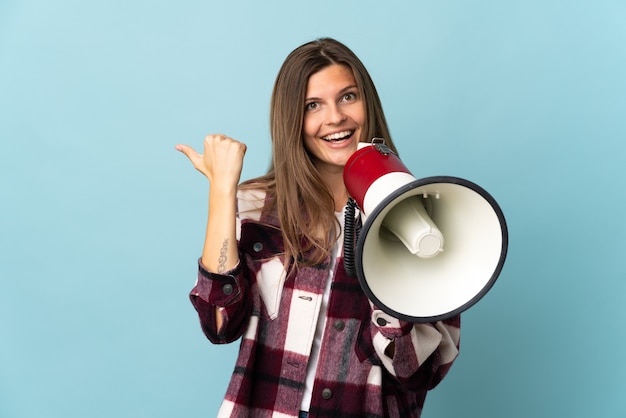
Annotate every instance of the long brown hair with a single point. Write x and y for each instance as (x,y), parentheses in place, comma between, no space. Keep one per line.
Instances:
(297,192)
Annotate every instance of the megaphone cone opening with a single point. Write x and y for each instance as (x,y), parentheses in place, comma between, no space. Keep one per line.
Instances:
(430,289)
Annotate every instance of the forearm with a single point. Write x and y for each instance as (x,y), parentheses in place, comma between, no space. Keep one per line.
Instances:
(220,252)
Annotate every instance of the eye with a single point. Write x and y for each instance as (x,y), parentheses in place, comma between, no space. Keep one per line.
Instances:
(348,97)
(310,106)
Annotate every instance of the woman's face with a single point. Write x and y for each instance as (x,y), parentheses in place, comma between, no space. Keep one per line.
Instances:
(334,116)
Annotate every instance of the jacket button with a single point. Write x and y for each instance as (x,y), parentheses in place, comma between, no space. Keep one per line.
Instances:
(381,321)
(257,247)
(227,288)
(339,325)
(327,394)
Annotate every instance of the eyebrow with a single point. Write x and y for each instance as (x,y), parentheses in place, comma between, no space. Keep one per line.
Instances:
(342,91)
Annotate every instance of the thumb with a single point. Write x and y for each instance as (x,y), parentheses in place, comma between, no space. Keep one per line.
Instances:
(183,148)
(187,150)
(190,153)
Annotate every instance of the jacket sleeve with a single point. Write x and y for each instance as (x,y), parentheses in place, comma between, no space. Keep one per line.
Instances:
(229,293)
(418,355)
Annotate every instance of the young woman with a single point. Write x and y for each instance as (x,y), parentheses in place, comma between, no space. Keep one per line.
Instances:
(271,271)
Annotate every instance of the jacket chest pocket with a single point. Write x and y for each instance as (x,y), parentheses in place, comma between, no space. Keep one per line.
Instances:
(263,248)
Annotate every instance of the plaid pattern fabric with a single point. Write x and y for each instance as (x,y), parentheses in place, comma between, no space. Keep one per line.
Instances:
(275,316)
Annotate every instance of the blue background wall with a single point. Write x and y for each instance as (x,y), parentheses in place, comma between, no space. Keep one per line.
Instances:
(101,220)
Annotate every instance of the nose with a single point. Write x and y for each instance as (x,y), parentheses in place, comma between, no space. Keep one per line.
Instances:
(335,115)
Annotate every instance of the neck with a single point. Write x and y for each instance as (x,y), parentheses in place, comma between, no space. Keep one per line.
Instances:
(333,177)
(339,192)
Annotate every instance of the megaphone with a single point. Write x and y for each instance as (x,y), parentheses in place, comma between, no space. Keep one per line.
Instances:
(428,248)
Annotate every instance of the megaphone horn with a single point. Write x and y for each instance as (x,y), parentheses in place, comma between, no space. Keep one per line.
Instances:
(429,248)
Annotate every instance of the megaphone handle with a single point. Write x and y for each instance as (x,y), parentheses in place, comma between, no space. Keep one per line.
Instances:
(350,235)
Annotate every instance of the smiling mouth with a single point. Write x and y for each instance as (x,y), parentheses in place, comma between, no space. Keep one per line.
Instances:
(338,137)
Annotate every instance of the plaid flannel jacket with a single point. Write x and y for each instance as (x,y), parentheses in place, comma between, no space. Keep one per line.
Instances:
(275,316)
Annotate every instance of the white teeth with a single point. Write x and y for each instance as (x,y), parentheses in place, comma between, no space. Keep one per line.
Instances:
(337,136)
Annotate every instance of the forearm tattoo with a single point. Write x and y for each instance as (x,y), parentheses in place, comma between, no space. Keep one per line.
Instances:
(221,262)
